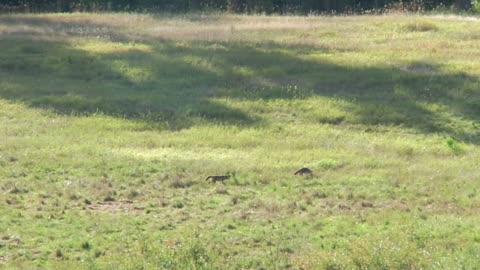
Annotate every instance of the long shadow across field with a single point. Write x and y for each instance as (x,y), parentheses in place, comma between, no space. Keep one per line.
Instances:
(174,84)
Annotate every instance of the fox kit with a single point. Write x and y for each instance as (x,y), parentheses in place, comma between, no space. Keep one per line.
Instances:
(217,178)
(303,171)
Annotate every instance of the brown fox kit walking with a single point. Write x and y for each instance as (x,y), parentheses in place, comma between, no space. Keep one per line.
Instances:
(217,178)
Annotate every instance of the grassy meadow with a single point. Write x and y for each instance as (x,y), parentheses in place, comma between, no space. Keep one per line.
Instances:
(110,123)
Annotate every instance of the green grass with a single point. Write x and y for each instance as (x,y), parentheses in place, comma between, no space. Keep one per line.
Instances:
(110,123)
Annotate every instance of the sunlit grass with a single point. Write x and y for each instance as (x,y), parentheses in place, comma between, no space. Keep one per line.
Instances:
(110,123)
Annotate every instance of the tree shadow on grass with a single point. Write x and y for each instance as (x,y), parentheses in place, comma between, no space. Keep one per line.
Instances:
(177,85)
(150,86)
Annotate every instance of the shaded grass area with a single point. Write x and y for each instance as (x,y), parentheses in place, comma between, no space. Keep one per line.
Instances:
(109,129)
(169,81)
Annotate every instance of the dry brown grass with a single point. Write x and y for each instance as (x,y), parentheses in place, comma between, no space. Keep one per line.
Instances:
(329,33)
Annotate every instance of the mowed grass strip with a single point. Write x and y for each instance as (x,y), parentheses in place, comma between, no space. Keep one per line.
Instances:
(110,123)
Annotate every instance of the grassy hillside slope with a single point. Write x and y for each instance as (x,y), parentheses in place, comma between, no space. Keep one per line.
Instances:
(110,123)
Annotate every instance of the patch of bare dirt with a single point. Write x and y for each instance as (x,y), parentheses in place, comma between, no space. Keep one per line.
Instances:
(115,206)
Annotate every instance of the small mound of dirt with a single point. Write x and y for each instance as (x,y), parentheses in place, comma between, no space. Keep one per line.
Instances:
(113,206)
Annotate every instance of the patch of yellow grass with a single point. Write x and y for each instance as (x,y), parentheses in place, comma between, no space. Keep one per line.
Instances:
(112,47)
(183,154)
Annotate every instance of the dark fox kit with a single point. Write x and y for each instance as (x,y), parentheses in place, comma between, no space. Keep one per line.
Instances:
(304,171)
(217,178)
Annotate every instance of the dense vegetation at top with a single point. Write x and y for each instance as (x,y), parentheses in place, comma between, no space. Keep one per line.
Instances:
(250,6)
